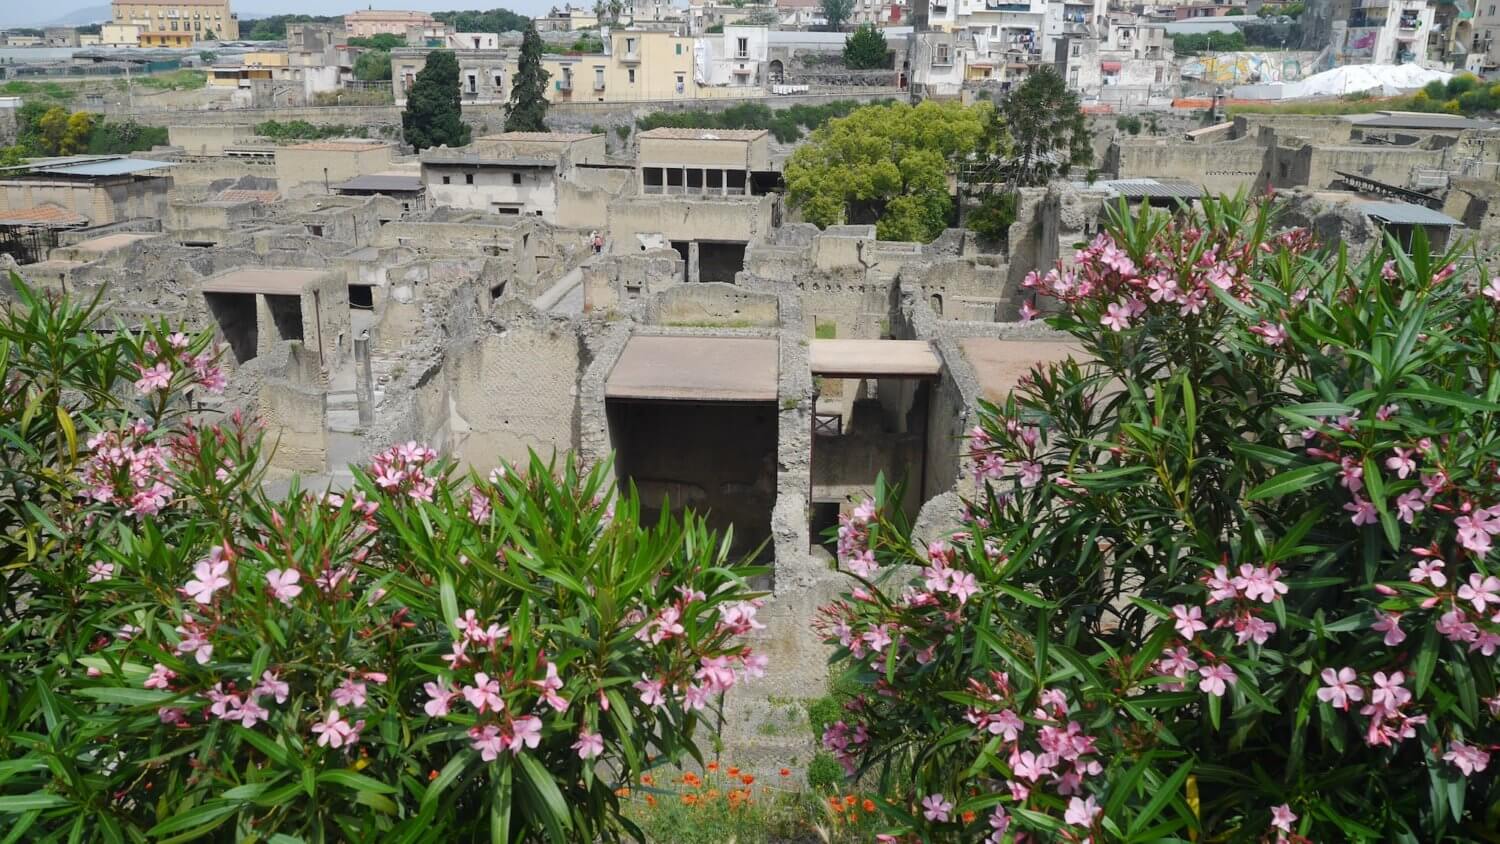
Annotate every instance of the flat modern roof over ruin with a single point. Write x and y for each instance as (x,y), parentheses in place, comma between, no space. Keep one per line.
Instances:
(735,369)
(673,133)
(874,359)
(111,242)
(1151,188)
(406,184)
(272,281)
(540,137)
(1404,213)
(1415,120)
(998,364)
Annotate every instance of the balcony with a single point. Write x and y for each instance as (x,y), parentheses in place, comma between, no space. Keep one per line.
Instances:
(631,57)
(598,85)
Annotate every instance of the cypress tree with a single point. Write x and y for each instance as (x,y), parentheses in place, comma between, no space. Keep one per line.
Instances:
(433,116)
(528,92)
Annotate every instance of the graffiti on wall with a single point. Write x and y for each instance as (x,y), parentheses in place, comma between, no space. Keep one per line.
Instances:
(1249,68)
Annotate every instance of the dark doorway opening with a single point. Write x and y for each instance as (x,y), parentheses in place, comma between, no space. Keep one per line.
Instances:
(720,261)
(361,296)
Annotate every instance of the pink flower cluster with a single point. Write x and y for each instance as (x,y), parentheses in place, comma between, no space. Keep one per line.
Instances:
(1390,722)
(989,460)
(400,469)
(714,674)
(1169,278)
(1239,601)
(160,365)
(128,469)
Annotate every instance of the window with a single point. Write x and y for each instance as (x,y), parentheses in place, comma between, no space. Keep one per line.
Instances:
(680,83)
(468,178)
(598,79)
(515,178)
(632,75)
(1077,50)
(499,80)
(679,46)
(629,46)
(447,180)
(942,56)
(744,47)
(1158,76)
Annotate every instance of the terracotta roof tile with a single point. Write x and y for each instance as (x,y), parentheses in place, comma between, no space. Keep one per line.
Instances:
(48,215)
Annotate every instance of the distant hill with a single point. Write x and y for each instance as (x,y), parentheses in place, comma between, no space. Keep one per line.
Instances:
(38,16)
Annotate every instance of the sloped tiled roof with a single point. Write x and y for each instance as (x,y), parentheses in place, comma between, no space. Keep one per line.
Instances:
(264,197)
(46,214)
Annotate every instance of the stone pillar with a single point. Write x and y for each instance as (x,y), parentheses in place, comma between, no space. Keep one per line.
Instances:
(364,387)
(692,262)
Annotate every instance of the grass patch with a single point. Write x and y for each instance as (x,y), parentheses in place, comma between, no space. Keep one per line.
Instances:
(825,330)
(177,80)
(55,91)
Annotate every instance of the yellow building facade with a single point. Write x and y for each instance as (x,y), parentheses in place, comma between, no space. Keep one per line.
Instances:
(177,23)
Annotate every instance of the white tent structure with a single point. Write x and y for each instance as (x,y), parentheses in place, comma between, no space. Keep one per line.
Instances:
(1382,80)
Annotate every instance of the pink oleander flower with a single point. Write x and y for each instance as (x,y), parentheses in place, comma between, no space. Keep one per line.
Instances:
(440,695)
(208,577)
(1221,587)
(936,808)
(1409,504)
(1082,812)
(249,713)
(1253,629)
(1272,334)
(1028,312)
(1492,290)
(271,685)
(155,379)
(1390,625)
(1468,759)
(1340,688)
(1116,317)
(863,564)
(1188,620)
(194,640)
(282,584)
(484,695)
(651,692)
(1475,531)
(589,745)
(349,693)
(1363,512)
(161,677)
(1430,570)
(1282,817)
(549,687)
(526,732)
(1216,678)
(1389,693)
(335,732)
(1401,463)
(488,741)
(100,571)
(738,617)
(1262,584)
(963,585)
(1481,591)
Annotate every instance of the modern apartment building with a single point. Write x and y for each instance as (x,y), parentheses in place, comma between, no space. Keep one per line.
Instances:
(176,23)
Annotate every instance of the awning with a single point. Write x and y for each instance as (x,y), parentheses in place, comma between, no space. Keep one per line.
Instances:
(1109,67)
(695,369)
(873,359)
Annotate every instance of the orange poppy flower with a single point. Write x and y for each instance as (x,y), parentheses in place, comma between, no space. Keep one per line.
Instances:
(646,779)
(869,806)
(786,772)
(689,799)
(713,766)
(968,817)
(651,801)
(748,779)
(849,800)
(734,772)
(622,792)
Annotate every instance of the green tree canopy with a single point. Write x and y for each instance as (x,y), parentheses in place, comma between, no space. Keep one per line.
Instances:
(866,49)
(494,20)
(528,91)
(379,41)
(836,12)
(887,164)
(1046,127)
(273,28)
(433,116)
(372,66)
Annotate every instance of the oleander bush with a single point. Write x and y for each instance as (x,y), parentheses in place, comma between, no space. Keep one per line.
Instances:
(426,656)
(1228,577)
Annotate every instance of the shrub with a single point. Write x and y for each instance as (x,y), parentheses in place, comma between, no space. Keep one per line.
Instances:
(824,773)
(994,216)
(427,656)
(623,132)
(1131,124)
(1230,579)
(865,49)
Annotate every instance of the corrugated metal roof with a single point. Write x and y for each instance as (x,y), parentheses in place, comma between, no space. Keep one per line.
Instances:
(1152,188)
(380,183)
(1404,213)
(1416,120)
(109,167)
(676,134)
